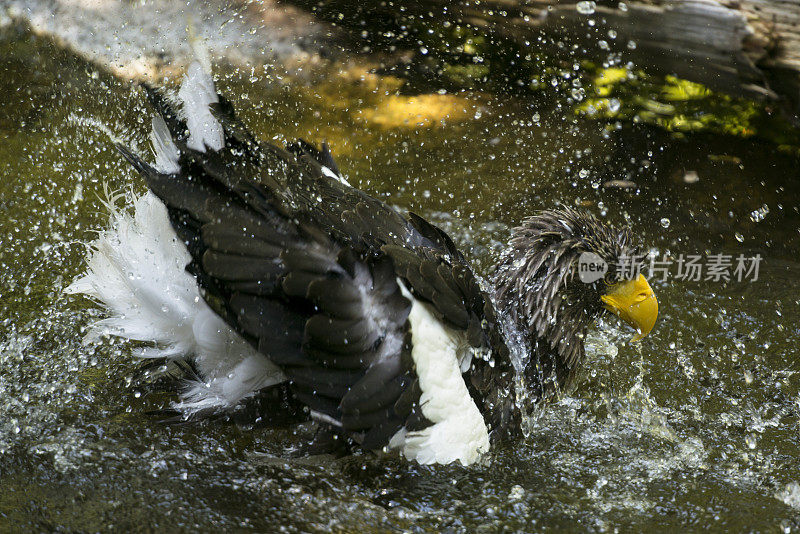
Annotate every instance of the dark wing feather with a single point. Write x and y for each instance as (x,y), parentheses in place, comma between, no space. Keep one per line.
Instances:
(323,155)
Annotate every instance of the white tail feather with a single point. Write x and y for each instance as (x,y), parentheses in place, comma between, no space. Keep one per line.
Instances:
(129,266)
(136,269)
(199,49)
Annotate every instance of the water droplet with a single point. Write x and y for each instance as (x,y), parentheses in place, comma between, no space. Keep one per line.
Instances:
(614,105)
(759,214)
(751,441)
(586,7)
(77,196)
(583,173)
(631,45)
(665,222)
(691,177)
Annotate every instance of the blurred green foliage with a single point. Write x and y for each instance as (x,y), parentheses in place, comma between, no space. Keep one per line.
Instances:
(682,107)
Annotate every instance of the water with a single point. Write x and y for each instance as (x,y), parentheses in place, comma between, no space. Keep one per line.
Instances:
(694,429)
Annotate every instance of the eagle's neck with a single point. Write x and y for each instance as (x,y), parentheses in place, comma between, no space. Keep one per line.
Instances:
(532,292)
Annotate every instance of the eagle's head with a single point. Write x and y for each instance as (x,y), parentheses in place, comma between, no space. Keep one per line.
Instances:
(564,268)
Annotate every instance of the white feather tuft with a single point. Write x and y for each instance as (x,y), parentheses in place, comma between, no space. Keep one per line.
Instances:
(229,384)
(458,432)
(136,269)
(197,92)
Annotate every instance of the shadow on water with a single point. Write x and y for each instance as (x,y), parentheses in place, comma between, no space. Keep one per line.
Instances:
(696,428)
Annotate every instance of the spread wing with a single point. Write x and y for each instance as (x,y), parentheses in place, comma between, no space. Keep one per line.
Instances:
(307,269)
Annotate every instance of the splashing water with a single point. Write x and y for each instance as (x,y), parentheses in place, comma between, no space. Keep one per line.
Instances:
(695,427)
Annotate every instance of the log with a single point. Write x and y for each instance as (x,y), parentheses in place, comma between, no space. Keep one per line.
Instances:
(748,48)
(698,40)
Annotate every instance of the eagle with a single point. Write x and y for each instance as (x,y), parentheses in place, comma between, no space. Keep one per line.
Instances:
(262,270)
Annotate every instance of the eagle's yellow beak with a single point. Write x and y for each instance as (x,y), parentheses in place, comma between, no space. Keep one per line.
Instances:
(635,303)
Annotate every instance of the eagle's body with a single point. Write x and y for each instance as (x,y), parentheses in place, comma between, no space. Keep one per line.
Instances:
(267,270)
